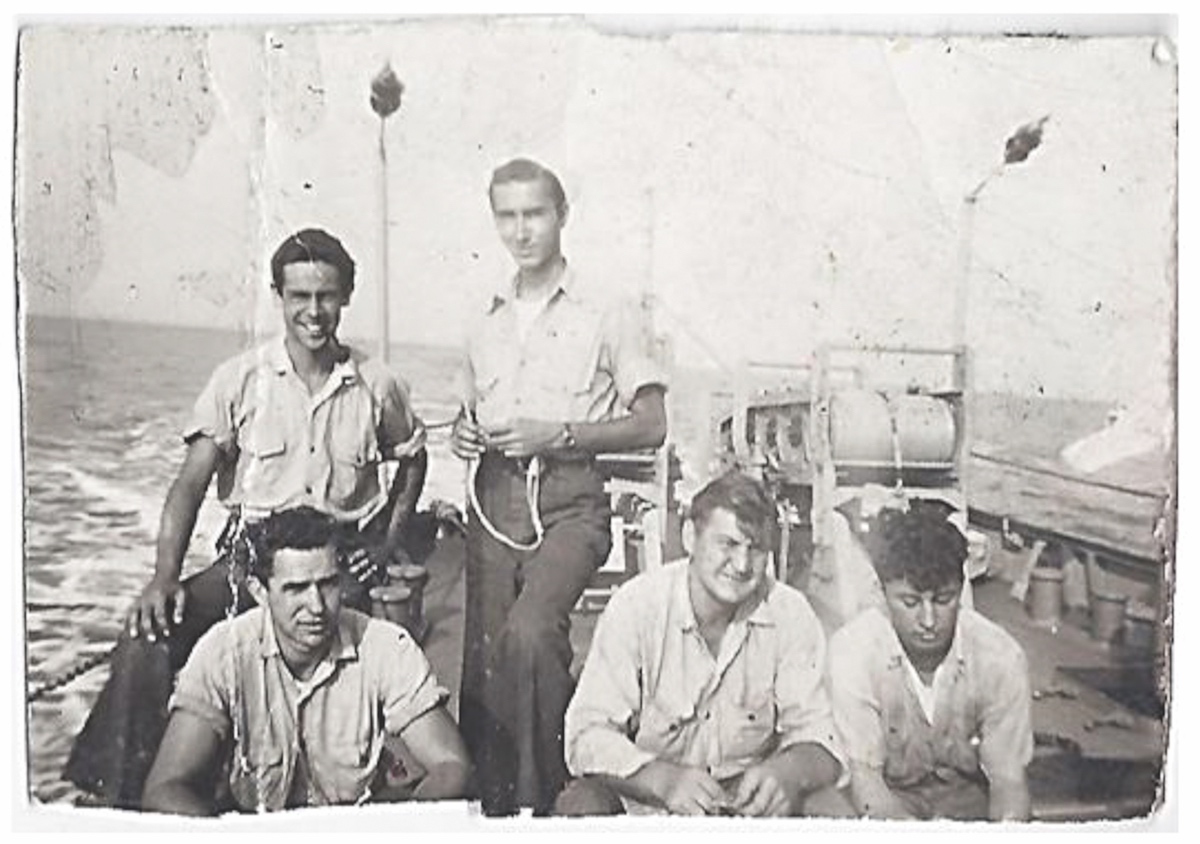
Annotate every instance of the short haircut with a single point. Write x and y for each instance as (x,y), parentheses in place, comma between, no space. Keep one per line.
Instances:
(526,170)
(300,528)
(308,247)
(745,497)
(919,546)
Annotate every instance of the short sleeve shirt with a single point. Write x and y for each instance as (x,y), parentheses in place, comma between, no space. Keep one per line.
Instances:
(286,447)
(375,681)
(981,722)
(583,358)
(652,689)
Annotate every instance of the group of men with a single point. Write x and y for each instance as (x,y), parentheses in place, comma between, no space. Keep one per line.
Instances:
(707,687)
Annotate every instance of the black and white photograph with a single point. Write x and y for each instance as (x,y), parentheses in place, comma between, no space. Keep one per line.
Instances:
(479,420)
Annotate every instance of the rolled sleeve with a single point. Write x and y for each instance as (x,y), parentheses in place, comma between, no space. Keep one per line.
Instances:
(804,712)
(202,687)
(401,433)
(630,352)
(856,712)
(213,414)
(1006,732)
(408,685)
(607,699)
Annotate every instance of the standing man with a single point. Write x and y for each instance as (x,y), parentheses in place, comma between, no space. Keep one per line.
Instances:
(931,699)
(294,701)
(703,692)
(555,373)
(300,420)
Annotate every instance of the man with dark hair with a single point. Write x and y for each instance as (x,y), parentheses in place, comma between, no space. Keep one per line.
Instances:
(300,420)
(703,689)
(294,702)
(556,372)
(931,699)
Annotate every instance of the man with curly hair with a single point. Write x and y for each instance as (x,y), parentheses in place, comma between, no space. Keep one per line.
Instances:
(930,698)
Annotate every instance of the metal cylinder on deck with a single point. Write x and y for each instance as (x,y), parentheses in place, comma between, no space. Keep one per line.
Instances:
(414,578)
(861,430)
(391,602)
(1045,596)
(1108,615)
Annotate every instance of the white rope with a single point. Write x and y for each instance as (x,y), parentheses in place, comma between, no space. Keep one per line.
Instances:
(533,484)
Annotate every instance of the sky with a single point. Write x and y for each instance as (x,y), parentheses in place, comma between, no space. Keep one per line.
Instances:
(768,190)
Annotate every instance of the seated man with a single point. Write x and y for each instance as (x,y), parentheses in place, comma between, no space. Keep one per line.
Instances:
(295,699)
(930,698)
(703,691)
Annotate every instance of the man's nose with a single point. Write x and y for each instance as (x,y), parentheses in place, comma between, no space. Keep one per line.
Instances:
(314,600)
(926,614)
(522,228)
(739,559)
(312,307)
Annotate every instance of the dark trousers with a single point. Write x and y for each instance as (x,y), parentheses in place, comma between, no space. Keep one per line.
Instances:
(113,752)
(516,679)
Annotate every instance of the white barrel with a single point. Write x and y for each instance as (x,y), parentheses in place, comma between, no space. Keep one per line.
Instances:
(861,429)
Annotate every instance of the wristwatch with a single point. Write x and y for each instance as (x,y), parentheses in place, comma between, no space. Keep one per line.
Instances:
(567,435)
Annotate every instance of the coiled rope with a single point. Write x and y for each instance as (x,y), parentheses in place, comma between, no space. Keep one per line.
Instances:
(533,485)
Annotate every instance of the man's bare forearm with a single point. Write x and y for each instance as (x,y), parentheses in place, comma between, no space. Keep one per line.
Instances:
(644,427)
(403,496)
(804,768)
(444,781)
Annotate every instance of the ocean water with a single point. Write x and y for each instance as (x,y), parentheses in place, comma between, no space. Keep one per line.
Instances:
(104,405)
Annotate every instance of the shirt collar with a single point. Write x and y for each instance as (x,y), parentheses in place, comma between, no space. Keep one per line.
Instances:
(566,286)
(755,611)
(344,369)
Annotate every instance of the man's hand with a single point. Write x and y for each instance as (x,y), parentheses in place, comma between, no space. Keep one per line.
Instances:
(762,793)
(684,790)
(158,607)
(467,439)
(525,437)
(370,561)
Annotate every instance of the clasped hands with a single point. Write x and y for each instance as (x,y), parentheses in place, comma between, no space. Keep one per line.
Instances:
(514,438)
(759,792)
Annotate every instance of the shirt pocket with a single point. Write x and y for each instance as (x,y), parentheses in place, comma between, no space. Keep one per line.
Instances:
(346,771)
(354,461)
(265,460)
(257,779)
(748,729)
(663,729)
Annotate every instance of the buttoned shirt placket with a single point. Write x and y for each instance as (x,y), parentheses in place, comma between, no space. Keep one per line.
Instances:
(709,715)
(341,376)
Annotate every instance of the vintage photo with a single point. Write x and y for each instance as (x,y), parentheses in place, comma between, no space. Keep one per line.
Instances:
(565,416)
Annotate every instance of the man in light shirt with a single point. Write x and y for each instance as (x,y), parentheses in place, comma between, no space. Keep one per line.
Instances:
(931,699)
(302,419)
(557,370)
(703,690)
(293,703)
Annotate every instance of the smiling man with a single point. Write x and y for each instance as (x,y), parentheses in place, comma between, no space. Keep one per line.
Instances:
(931,699)
(301,420)
(296,700)
(557,371)
(703,690)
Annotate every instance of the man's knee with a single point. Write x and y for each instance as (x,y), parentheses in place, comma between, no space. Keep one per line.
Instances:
(829,802)
(587,796)
(529,636)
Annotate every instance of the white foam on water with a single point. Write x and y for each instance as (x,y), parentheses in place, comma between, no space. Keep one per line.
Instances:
(119,496)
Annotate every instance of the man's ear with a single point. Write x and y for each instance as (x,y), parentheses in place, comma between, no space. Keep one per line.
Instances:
(688,536)
(564,211)
(257,591)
